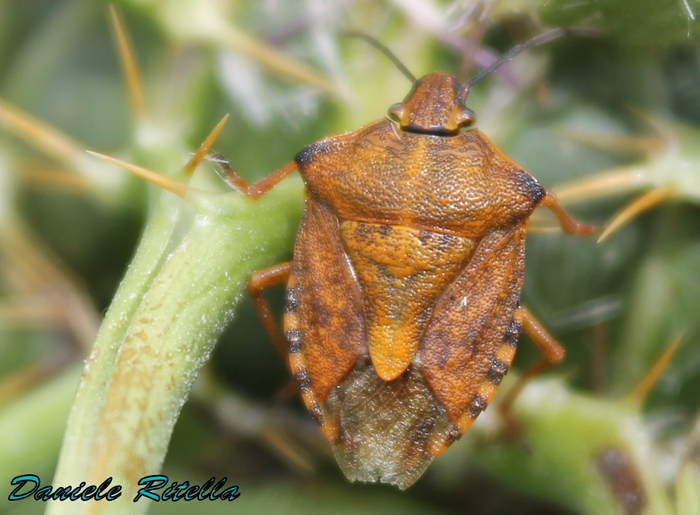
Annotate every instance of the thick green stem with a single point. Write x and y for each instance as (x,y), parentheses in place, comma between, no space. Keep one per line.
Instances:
(158,335)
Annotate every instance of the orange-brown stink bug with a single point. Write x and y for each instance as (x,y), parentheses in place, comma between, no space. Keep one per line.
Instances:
(403,297)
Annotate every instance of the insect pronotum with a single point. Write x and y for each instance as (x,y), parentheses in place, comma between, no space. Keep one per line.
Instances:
(403,296)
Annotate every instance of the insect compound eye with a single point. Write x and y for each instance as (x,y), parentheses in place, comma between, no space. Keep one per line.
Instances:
(466,117)
(396,112)
(460,117)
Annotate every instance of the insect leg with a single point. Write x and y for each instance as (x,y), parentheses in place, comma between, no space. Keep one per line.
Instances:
(264,279)
(259,188)
(568,224)
(553,355)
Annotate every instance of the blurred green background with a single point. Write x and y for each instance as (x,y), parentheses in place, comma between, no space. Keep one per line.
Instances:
(604,119)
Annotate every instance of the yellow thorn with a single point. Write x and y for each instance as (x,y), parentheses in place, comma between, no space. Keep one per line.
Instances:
(641,391)
(611,143)
(42,136)
(286,449)
(160,180)
(204,147)
(58,180)
(612,182)
(663,127)
(637,207)
(29,314)
(16,383)
(129,68)
(271,57)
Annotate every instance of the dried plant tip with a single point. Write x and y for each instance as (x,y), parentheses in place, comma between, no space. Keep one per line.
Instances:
(204,147)
(622,477)
(637,207)
(175,187)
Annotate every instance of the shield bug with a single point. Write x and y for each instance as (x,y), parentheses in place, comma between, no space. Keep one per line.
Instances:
(403,296)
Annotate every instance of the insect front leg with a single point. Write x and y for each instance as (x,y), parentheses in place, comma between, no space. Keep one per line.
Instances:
(260,280)
(568,224)
(261,187)
(553,355)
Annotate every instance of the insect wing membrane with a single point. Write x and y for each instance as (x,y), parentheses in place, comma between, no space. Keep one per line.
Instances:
(388,428)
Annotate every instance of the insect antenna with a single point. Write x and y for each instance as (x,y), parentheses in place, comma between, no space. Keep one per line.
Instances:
(540,39)
(383,49)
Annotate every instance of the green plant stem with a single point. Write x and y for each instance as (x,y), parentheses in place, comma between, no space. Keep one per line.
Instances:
(160,332)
